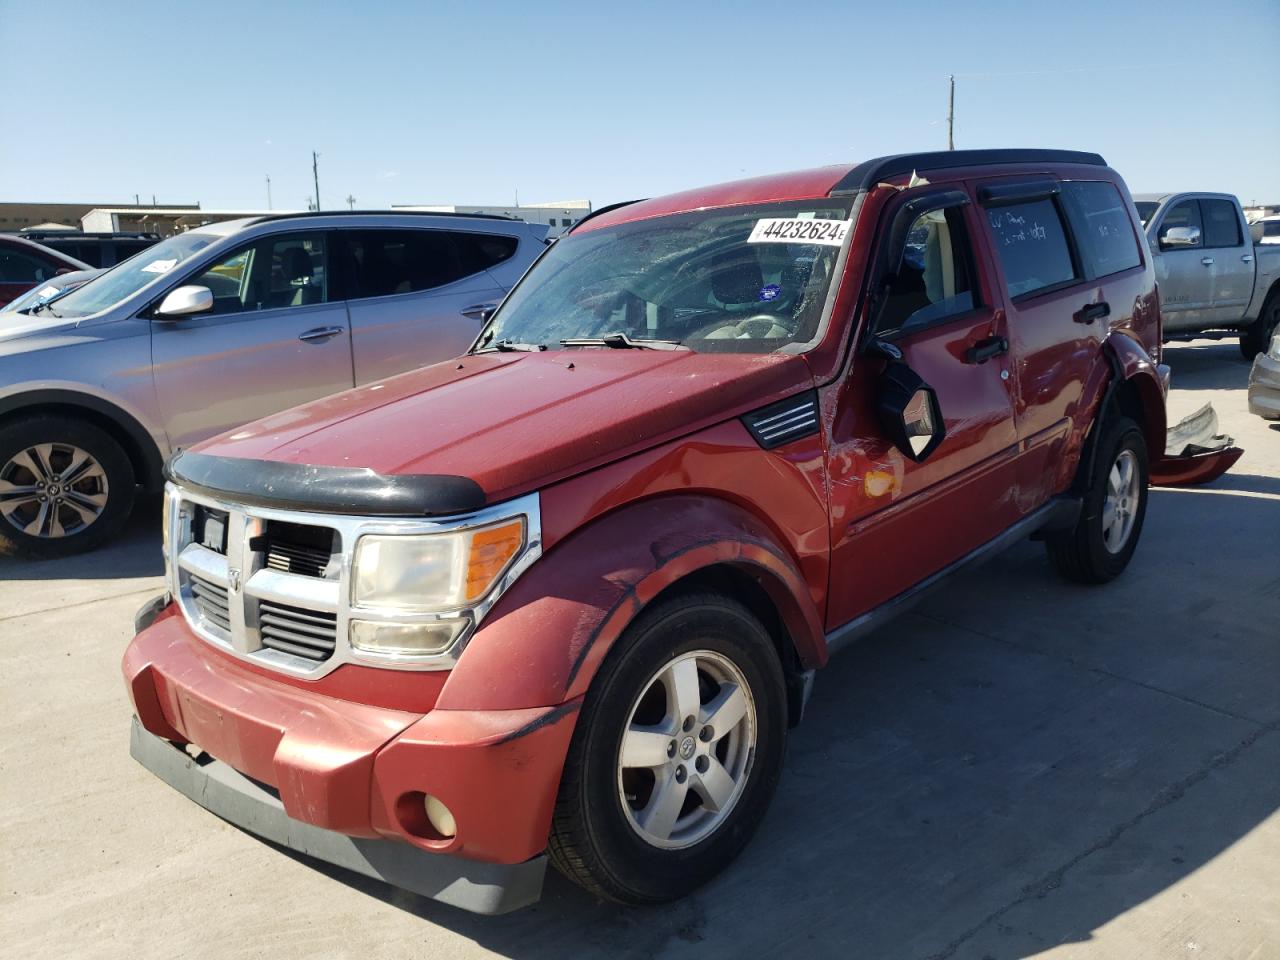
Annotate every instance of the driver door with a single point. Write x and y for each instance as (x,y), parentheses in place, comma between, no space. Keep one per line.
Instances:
(272,340)
(896,521)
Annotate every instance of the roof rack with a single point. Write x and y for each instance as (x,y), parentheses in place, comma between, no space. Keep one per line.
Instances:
(267,218)
(92,235)
(867,174)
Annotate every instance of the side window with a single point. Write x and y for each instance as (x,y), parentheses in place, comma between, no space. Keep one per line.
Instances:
(1185,214)
(385,262)
(1221,225)
(20,267)
(1105,233)
(479,251)
(275,272)
(1031,241)
(935,280)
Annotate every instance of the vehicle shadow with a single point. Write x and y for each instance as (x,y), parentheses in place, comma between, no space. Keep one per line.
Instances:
(1207,365)
(135,553)
(1008,768)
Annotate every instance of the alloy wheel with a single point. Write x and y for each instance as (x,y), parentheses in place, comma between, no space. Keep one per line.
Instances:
(687,750)
(1120,506)
(52,490)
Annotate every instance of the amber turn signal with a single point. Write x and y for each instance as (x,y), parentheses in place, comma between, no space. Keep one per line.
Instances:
(491,550)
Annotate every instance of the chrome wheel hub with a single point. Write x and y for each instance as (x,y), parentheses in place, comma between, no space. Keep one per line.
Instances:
(1120,505)
(52,490)
(687,751)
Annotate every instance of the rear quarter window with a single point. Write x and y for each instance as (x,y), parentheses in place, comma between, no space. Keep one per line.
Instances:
(1104,231)
(1031,242)
(480,251)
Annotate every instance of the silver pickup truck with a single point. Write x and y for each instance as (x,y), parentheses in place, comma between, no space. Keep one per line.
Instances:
(1211,275)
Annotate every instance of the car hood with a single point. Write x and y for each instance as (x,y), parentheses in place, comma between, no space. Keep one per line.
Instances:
(514,422)
(23,334)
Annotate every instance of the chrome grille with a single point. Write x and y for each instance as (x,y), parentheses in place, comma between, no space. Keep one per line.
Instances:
(304,633)
(211,600)
(298,548)
(273,586)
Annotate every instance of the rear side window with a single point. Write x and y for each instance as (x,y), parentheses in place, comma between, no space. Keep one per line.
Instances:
(1031,241)
(1221,225)
(1105,233)
(18,266)
(381,263)
(479,251)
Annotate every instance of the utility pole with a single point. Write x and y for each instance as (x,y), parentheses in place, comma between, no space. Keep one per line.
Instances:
(951,116)
(351,201)
(315,172)
(268,191)
(136,201)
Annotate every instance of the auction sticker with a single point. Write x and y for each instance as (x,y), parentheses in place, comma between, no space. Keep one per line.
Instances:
(828,233)
(159,266)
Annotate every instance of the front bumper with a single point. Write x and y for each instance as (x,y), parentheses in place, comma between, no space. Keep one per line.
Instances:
(1264,387)
(347,779)
(220,789)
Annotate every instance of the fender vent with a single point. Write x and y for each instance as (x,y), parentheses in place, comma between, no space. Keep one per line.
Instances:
(784,421)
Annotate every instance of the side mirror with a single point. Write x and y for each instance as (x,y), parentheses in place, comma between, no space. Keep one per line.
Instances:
(909,412)
(1174,237)
(185,301)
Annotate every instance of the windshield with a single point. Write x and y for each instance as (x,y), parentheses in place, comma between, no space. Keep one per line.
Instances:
(51,291)
(742,279)
(132,275)
(1146,208)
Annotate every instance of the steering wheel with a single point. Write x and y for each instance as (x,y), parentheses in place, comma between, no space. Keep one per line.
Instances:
(765,322)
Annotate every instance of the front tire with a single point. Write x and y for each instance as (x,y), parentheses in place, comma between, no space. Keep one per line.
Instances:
(65,487)
(1102,542)
(675,755)
(1255,338)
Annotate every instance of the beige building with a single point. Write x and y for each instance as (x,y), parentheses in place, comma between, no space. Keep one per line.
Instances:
(16,216)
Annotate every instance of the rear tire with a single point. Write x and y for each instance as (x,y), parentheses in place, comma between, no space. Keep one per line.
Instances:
(65,487)
(1255,338)
(611,832)
(1102,542)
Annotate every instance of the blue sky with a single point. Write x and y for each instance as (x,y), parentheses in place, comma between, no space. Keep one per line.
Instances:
(468,103)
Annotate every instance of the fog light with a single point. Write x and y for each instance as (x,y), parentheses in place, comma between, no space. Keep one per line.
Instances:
(440,818)
(408,640)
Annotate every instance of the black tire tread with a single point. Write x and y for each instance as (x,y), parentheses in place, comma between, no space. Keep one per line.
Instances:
(110,455)
(569,845)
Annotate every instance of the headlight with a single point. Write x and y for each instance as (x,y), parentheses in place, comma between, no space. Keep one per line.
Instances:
(436,571)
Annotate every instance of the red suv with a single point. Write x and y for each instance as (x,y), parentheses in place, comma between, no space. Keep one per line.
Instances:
(565,595)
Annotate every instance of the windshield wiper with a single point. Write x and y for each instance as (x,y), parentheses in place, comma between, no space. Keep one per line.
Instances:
(41,305)
(620,341)
(512,346)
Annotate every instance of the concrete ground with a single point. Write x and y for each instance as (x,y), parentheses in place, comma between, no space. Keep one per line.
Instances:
(1020,768)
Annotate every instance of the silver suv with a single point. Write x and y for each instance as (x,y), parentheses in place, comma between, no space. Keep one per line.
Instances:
(219,326)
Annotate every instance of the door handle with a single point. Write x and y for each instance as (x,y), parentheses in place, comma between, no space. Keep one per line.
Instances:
(984,350)
(1247,258)
(1092,311)
(1207,261)
(479,311)
(321,333)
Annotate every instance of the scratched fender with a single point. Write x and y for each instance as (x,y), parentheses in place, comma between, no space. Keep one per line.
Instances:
(543,642)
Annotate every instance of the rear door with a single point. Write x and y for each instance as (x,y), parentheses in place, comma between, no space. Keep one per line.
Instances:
(1228,245)
(274,339)
(1184,273)
(417,296)
(1043,287)
(895,520)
